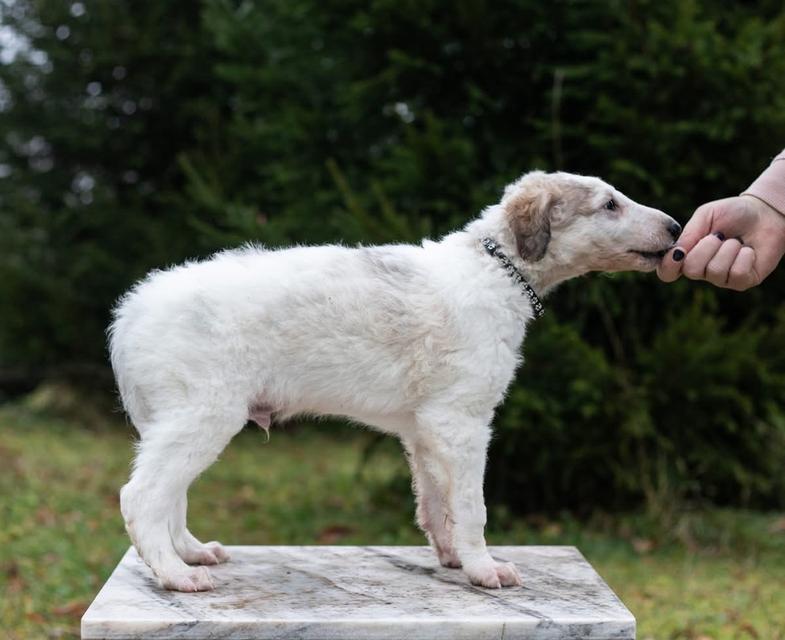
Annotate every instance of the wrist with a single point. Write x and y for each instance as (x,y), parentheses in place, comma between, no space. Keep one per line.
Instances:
(770,186)
(769,217)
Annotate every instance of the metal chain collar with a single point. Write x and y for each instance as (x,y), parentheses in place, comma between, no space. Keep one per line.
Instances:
(492,248)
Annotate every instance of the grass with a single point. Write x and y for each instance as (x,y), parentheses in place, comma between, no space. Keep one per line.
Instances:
(720,574)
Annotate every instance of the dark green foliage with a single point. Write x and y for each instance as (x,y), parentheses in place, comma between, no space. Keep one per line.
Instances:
(91,127)
(695,416)
(301,121)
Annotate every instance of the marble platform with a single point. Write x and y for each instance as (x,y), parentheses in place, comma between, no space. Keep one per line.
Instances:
(368,593)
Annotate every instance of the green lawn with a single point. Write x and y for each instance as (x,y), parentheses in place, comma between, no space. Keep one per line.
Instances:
(61,532)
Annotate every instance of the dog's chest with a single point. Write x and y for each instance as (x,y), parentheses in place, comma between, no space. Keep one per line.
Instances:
(493,352)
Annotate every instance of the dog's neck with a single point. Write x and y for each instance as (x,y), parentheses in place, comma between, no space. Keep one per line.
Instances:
(543,275)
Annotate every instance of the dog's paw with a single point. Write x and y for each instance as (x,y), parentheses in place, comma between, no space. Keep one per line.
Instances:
(508,574)
(218,550)
(494,575)
(197,579)
(210,553)
(448,558)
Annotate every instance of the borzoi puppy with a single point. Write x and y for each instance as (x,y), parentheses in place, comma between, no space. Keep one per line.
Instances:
(419,341)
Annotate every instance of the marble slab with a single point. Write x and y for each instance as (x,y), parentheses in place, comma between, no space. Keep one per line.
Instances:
(368,593)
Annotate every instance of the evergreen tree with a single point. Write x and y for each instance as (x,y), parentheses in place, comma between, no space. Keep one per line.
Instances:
(137,134)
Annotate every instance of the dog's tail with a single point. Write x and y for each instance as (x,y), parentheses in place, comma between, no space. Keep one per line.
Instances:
(119,335)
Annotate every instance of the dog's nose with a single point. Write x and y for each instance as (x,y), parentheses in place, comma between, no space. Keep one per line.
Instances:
(674,228)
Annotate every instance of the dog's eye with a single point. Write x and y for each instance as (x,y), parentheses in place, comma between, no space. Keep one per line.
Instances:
(610,205)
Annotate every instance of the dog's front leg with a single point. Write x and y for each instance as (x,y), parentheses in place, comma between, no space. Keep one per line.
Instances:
(455,454)
(431,490)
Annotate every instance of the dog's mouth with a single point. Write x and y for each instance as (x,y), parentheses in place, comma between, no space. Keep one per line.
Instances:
(650,255)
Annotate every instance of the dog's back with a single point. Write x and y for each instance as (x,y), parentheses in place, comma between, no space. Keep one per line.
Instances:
(299,330)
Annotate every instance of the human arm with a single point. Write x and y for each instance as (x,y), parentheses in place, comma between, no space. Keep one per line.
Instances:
(736,242)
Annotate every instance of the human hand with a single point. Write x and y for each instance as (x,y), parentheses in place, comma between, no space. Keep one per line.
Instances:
(733,243)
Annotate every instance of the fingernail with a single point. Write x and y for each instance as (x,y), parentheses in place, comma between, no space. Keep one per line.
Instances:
(720,235)
(678,255)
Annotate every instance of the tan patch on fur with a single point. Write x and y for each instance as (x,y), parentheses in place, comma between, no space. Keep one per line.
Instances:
(528,213)
(577,198)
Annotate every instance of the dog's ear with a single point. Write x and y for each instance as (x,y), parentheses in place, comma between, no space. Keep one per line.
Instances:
(528,212)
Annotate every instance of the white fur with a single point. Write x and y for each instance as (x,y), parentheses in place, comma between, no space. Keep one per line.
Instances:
(417,341)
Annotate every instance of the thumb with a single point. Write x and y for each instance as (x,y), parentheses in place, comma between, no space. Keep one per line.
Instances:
(699,226)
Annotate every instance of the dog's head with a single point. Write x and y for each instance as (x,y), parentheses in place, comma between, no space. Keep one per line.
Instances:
(583,224)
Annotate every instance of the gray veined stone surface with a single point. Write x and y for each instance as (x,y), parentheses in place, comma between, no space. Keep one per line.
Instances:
(368,593)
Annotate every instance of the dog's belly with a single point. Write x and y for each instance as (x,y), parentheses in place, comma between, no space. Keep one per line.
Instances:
(398,423)
(377,411)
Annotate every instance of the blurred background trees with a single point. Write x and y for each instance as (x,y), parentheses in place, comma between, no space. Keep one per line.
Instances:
(134,135)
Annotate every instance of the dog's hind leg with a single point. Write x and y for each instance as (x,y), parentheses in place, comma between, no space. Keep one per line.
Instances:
(187,546)
(433,512)
(171,455)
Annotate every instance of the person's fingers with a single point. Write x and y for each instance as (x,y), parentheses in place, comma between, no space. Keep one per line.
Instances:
(698,227)
(669,268)
(697,260)
(718,268)
(672,266)
(742,273)
(706,255)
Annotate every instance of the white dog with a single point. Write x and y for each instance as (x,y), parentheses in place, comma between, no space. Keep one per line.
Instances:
(417,341)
